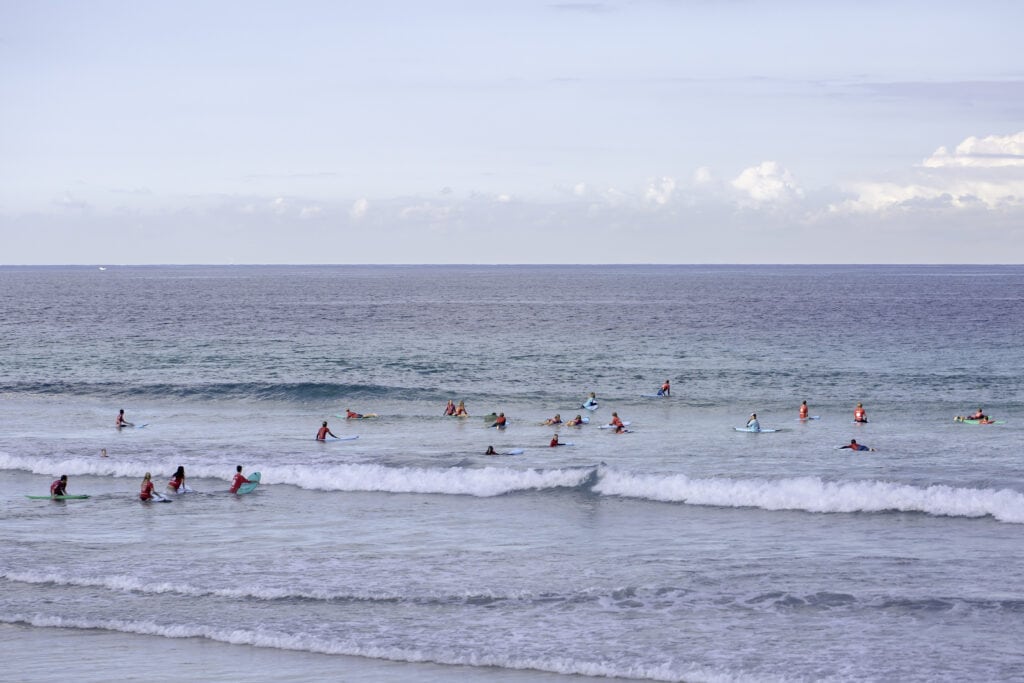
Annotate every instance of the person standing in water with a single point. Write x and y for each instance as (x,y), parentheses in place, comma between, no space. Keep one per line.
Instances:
(60,486)
(859,414)
(177,482)
(804,411)
(121,420)
(146,492)
(239,479)
(324,431)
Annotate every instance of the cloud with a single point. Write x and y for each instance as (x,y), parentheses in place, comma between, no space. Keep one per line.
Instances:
(995,151)
(703,176)
(985,173)
(659,190)
(359,208)
(768,182)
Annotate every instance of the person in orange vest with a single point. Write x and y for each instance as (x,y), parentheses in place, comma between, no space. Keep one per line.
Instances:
(859,414)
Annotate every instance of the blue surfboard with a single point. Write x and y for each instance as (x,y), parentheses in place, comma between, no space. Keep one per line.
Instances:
(254,481)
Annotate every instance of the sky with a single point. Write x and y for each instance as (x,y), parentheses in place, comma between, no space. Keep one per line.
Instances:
(511,131)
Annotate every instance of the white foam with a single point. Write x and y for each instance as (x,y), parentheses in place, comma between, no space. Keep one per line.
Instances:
(813,494)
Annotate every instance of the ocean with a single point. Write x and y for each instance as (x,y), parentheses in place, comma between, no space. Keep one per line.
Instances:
(681,550)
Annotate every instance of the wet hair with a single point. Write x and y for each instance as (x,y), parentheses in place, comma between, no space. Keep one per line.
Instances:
(238,468)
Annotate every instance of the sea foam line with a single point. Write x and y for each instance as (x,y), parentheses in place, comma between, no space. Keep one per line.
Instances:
(266,638)
(813,494)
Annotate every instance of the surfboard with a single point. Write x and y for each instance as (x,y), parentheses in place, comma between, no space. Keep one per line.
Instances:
(654,395)
(157,498)
(352,437)
(812,417)
(762,430)
(563,443)
(80,496)
(624,424)
(144,424)
(514,451)
(180,492)
(964,420)
(254,481)
(589,406)
(367,416)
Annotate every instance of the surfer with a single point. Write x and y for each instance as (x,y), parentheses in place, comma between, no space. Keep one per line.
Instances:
(591,402)
(555,442)
(121,420)
(449,409)
(804,411)
(752,424)
(500,422)
(979,415)
(177,482)
(322,433)
(556,420)
(575,422)
(146,492)
(859,414)
(461,410)
(351,415)
(490,451)
(621,429)
(60,486)
(666,389)
(854,446)
(616,422)
(240,478)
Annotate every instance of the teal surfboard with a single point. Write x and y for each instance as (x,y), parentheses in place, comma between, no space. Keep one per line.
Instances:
(254,481)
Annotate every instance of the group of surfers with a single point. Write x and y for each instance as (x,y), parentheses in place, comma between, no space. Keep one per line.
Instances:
(146,491)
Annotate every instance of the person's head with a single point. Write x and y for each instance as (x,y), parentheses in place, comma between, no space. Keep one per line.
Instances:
(325,423)
(501,414)
(592,394)
(63,477)
(147,477)
(490,450)
(555,437)
(121,411)
(180,471)
(615,414)
(860,405)
(805,403)
(753,416)
(853,442)
(558,416)
(238,469)
(578,416)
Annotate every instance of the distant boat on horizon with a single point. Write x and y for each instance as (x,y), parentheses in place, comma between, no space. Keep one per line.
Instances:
(102,268)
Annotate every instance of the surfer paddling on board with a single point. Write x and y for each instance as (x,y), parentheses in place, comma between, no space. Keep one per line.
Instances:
(490,451)
(240,478)
(979,415)
(60,486)
(859,414)
(556,420)
(804,411)
(575,422)
(323,432)
(854,446)
(121,420)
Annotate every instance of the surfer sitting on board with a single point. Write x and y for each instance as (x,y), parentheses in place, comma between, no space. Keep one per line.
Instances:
(616,422)
(461,410)
(752,424)
(121,420)
(591,401)
(322,433)
(449,409)
(666,389)
(240,478)
(854,446)
(499,421)
(60,486)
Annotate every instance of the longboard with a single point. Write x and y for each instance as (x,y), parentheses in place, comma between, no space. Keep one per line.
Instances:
(254,481)
(755,431)
(80,496)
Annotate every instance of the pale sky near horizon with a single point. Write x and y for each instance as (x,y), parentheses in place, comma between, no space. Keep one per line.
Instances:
(634,131)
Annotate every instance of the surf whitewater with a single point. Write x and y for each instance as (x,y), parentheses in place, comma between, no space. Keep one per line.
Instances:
(806,494)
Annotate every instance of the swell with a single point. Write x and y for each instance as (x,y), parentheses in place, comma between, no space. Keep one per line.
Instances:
(253,391)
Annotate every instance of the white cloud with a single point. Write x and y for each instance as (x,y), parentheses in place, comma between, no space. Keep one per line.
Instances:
(995,151)
(703,176)
(768,182)
(659,190)
(310,212)
(579,189)
(980,173)
(359,208)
